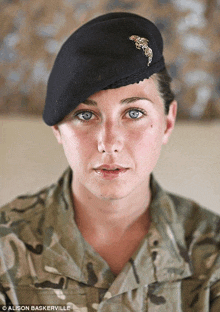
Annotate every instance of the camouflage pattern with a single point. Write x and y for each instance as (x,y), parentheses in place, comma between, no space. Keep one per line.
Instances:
(44,259)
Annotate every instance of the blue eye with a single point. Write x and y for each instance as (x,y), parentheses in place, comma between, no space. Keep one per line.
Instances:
(135,113)
(85,115)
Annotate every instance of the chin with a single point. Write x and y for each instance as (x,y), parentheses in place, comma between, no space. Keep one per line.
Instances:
(111,197)
(112,193)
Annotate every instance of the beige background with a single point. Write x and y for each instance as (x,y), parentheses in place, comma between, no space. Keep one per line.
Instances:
(189,165)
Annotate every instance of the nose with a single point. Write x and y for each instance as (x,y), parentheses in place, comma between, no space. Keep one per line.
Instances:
(110,139)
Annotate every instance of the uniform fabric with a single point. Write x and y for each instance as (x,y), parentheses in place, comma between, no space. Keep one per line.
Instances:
(44,259)
(99,55)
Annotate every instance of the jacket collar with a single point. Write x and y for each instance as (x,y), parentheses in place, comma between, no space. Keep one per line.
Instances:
(162,255)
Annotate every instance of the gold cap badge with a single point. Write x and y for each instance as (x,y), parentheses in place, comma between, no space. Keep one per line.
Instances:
(142,43)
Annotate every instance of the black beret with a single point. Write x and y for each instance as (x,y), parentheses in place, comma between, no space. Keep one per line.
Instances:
(110,51)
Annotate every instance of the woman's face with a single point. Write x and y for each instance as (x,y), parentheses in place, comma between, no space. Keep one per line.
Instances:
(113,140)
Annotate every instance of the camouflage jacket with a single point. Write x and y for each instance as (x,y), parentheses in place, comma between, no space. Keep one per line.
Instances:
(45,261)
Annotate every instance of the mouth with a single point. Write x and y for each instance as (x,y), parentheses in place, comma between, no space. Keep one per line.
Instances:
(110,172)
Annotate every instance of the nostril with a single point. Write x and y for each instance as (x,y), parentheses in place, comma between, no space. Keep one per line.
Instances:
(103,151)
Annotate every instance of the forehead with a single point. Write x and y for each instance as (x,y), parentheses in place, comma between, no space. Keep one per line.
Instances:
(144,89)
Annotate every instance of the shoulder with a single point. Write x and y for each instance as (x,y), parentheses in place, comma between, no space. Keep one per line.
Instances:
(201,229)
(24,210)
(194,216)
(27,212)
(189,214)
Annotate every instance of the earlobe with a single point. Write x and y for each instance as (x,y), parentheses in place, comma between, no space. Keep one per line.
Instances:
(170,121)
(56,132)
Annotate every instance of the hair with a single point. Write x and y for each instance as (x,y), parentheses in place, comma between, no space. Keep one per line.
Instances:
(164,88)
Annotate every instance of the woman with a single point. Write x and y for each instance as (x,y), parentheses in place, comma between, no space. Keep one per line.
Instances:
(106,237)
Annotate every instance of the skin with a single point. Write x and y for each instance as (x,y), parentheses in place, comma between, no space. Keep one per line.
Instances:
(127,127)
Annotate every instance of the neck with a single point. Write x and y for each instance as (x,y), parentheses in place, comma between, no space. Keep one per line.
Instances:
(102,218)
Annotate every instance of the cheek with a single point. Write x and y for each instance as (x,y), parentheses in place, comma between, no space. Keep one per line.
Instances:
(151,135)
(77,145)
(146,144)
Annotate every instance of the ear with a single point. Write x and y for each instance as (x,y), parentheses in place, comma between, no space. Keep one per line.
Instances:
(170,119)
(56,132)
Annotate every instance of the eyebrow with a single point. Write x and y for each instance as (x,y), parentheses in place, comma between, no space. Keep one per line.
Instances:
(89,102)
(133,99)
(124,101)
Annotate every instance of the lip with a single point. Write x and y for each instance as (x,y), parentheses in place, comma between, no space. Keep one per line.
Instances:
(110,167)
(110,172)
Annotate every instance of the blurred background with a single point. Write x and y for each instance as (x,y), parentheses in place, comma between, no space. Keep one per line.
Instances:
(32,33)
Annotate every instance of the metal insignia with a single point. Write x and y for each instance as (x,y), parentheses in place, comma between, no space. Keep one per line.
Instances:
(142,43)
